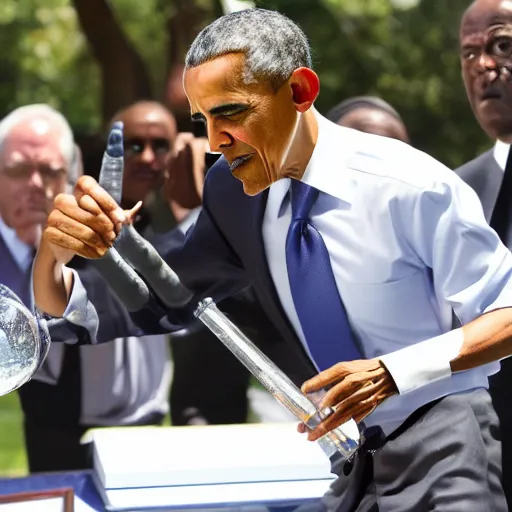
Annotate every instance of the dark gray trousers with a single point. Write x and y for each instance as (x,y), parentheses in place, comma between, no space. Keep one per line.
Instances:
(448,460)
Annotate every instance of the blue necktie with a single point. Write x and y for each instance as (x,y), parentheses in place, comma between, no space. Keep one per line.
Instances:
(315,294)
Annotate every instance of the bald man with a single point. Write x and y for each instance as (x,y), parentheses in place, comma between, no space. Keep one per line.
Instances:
(485,53)
(149,136)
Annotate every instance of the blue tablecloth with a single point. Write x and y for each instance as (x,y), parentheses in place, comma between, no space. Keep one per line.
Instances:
(80,481)
(84,487)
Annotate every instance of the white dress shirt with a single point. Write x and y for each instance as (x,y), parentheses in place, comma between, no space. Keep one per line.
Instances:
(21,252)
(408,242)
(501,150)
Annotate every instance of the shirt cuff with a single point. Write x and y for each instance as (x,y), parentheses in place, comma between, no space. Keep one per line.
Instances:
(429,361)
(80,310)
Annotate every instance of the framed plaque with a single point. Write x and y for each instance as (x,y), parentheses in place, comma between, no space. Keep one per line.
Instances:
(54,500)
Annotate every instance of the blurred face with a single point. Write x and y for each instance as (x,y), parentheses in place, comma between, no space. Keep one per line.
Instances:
(486,58)
(149,136)
(32,173)
(378,122)
(251,125)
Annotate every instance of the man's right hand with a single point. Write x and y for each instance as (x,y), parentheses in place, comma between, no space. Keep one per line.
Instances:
(85,223)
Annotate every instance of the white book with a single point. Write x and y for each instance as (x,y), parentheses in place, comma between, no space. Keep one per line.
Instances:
(178,466)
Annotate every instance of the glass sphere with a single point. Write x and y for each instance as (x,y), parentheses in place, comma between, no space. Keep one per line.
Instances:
(20,343)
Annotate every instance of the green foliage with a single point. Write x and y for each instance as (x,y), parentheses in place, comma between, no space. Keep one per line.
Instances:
(13,461)
(144,24)
(425,82)
(45,60)
(407,56)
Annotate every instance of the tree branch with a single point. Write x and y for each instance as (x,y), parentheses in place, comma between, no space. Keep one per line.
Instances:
(125,78)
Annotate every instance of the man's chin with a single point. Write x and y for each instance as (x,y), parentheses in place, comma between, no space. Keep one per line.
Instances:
(252,188)
(26,220)
(31,236)
(497,127)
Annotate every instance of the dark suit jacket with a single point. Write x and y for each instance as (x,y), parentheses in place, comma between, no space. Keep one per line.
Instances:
(484,176)
(12,276)
(221,256)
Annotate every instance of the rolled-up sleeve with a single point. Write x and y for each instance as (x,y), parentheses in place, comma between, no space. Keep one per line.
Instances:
(472,269)
(445,227)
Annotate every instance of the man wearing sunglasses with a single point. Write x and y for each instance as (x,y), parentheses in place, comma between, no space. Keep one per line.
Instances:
(150,135)
(33,168)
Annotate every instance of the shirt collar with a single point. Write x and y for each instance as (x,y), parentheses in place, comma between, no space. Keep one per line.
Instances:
(328,169)
(333,149)
(21,252)
(501,150)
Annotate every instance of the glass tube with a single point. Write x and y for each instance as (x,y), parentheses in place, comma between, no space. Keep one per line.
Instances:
(344,439)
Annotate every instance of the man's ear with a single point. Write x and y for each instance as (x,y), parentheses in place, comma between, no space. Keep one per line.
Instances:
(305,86)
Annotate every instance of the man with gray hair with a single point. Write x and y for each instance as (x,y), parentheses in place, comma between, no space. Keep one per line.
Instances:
(37,152)
(359,249)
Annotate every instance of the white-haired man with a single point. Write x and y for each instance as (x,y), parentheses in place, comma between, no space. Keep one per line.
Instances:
(36,151)
(37,157)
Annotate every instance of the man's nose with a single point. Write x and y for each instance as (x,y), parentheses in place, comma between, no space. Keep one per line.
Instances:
(218,139)
(36,179)
(486,62)
(147,155)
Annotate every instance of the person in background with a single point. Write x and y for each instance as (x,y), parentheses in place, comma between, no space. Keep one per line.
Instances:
(485,50)
(37,156)
(150,134)
(36,152)
(369,114)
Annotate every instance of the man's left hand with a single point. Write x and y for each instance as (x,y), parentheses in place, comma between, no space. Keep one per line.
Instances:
(356,389)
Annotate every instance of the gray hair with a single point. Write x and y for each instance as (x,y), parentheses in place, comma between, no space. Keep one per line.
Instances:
(42,111)
(274,46)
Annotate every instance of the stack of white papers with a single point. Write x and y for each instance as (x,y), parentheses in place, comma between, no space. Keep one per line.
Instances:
(153,467)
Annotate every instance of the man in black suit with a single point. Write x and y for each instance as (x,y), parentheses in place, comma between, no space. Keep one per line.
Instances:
(485,47)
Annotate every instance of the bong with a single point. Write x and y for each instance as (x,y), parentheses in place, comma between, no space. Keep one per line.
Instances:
(24,341)
(340,444)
